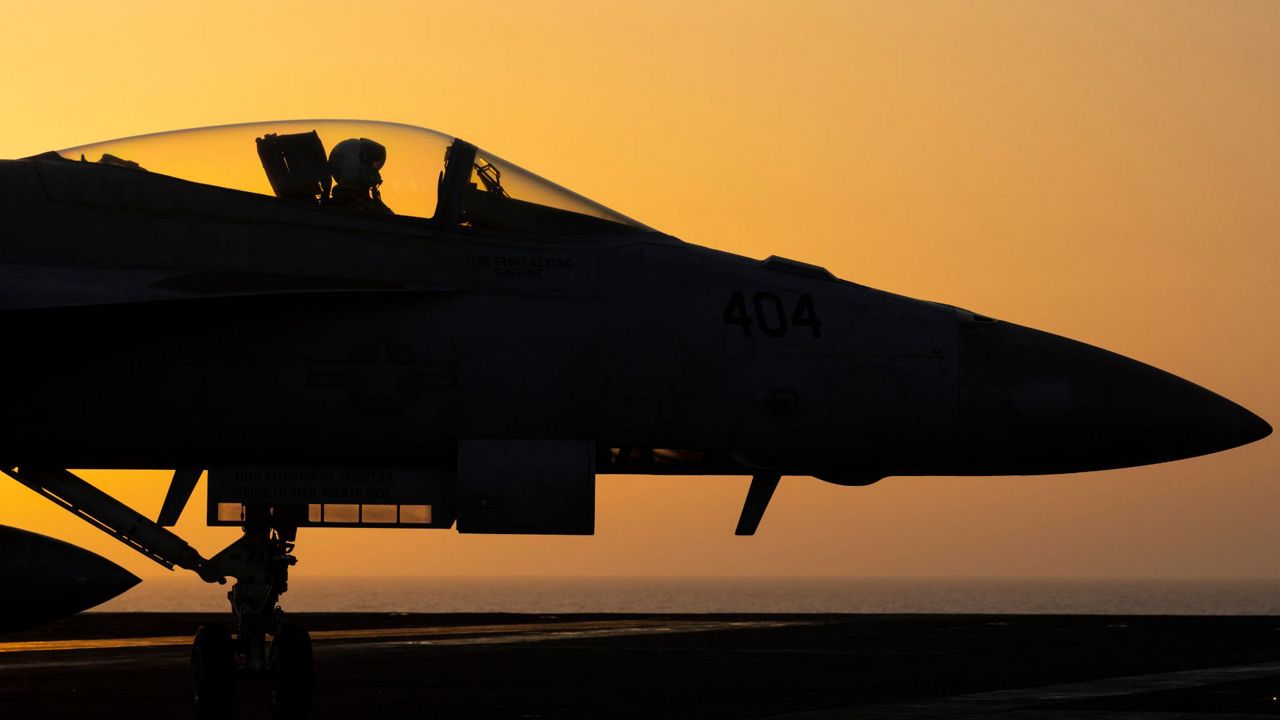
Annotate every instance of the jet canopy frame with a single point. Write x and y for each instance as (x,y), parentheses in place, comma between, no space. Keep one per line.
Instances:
(427,174)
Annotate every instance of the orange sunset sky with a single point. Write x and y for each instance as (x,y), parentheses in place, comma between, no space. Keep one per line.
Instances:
(1106,171)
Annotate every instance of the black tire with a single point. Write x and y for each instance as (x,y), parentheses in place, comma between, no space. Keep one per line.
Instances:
(213,673)
(290,668)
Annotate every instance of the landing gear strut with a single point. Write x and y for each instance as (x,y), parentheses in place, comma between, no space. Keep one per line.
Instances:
(259,561)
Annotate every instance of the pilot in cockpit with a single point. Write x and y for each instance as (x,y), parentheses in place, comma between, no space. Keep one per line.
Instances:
(354,164)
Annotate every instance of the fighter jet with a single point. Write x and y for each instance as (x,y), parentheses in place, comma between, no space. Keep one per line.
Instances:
(355,325)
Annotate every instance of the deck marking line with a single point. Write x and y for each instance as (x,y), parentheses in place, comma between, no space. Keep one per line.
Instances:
(458,634)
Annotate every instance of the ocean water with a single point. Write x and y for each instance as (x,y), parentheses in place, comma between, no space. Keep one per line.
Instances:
(728,595)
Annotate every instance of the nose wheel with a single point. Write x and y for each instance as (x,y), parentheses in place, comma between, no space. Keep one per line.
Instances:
(213,672)
(260,562)
(289,667)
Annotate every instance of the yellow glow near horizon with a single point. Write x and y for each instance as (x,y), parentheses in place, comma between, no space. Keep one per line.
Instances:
(1107,171)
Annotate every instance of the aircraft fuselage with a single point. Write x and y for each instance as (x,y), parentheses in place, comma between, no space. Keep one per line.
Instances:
(159,323)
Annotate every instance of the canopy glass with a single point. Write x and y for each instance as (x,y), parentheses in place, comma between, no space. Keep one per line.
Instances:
(422,173)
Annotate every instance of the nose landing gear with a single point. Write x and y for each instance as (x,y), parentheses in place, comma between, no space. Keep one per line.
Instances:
(260,562)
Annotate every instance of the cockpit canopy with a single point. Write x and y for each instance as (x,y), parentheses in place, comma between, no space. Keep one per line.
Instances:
(423,173)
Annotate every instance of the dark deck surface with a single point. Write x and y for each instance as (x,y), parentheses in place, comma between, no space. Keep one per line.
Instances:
(659,666)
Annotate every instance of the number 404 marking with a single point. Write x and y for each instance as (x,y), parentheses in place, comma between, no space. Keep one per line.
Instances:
(770,314)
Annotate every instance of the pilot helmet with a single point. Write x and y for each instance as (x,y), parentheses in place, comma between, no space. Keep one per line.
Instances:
(357,161)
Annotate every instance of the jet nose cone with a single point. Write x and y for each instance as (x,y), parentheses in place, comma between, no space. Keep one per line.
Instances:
(1177,419)
(1044,403)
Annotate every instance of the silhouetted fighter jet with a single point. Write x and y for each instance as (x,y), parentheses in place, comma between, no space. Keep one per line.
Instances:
(411,332)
